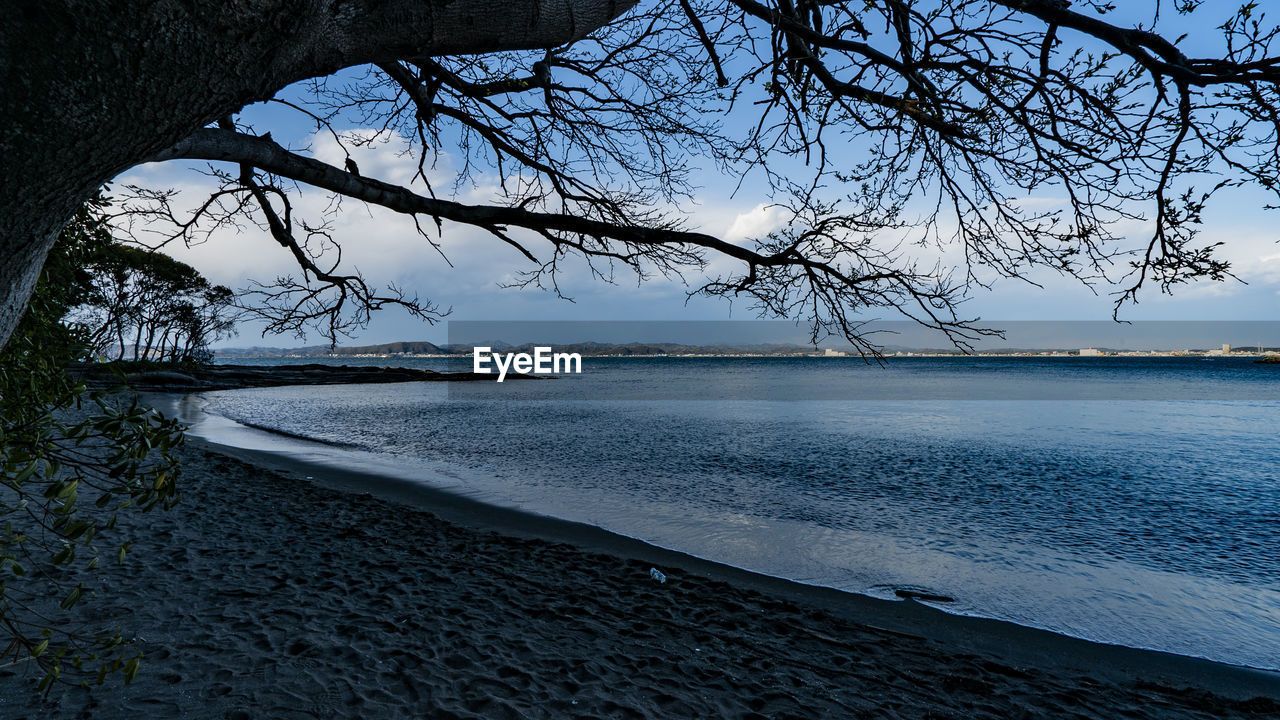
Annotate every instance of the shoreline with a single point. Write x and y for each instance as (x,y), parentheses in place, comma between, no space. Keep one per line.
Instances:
(1014,642)
(177,379)
(280,588)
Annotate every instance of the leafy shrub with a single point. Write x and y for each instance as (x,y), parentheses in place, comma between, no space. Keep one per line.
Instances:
(70,461)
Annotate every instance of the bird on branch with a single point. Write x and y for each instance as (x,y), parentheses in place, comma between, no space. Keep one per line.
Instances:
(542,71)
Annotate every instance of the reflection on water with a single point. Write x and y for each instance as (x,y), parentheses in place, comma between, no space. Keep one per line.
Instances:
(1149,523)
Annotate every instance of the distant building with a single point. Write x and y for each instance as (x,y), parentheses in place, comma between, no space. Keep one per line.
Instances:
(834,353)
(1090,352)
(1226,349)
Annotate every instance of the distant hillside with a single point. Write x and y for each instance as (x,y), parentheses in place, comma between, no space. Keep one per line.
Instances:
(586,349)
(420,347)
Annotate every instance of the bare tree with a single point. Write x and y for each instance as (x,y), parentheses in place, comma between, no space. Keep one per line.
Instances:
(881,126)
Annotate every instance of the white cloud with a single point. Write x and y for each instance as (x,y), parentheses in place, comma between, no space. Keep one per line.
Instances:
(756,223)
(386,247)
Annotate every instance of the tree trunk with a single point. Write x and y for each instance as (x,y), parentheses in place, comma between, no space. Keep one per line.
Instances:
(137,341)
(89,90)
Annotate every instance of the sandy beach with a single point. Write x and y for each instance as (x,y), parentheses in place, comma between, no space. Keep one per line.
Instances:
(267,595)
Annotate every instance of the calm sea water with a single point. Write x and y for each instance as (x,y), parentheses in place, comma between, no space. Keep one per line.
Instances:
(1130,501)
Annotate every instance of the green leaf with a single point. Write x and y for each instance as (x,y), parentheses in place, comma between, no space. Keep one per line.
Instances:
(26,472)
(72,598)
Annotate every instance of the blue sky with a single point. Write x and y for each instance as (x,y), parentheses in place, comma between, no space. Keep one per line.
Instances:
(386,249)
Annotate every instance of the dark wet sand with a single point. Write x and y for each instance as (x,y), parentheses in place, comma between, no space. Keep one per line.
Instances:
(264,595)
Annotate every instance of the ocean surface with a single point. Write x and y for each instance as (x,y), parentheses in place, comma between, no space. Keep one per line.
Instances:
(1133,501)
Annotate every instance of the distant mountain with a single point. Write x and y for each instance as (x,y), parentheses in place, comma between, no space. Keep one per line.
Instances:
(420,347)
